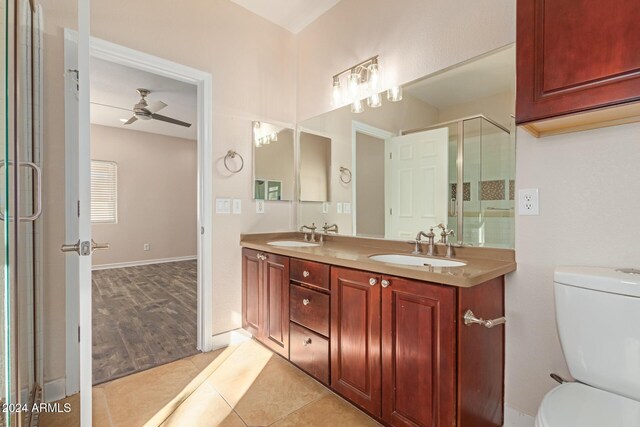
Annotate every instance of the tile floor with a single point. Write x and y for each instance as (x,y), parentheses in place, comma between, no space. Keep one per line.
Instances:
(243,385)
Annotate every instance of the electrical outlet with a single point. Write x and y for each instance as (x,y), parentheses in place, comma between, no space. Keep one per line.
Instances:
(237,206)
(223,206)
(339,207)
(346,207)
(325,207)
(528,201)
(147,247)
(260,206)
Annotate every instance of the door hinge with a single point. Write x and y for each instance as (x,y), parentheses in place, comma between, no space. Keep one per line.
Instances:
(390,156)
(76,79)
(390,211)
(78,333)
(78,208)
(201,230)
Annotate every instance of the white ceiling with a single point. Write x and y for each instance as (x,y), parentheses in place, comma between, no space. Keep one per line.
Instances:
(115,85)
(477,79)
(294,15)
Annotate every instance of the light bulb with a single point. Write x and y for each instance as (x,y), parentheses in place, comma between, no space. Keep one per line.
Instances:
(336,95)
(353,85)
(375,100)
(394,94)
(356,106)
(374,77)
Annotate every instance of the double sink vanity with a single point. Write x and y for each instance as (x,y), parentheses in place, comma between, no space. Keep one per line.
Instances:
(404,341)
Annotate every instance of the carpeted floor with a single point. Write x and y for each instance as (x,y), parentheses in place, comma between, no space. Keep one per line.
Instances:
(143,317)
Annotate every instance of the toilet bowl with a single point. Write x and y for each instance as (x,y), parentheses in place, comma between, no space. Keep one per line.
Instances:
(597,311)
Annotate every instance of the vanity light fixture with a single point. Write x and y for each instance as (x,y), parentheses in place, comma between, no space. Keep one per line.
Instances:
(362,81)
(394,94)
(263,136)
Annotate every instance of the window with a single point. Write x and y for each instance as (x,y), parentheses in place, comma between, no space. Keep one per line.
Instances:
(104,192)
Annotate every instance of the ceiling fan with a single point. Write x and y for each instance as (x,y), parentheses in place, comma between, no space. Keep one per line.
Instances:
(148,111)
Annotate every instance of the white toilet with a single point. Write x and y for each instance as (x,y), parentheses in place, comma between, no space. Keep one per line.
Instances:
(598,314)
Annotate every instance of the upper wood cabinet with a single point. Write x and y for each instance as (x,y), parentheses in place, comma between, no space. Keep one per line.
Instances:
(265,298)
(576,56)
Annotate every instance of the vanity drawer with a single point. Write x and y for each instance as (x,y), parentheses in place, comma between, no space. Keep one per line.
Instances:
(309,272)
(309,308)
(309,351)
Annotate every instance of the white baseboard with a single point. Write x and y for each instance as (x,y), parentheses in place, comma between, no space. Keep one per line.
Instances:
(228,338)
(54,390)
(515,418)
(144,262)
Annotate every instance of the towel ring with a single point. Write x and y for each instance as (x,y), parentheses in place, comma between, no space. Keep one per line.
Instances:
(345,175)
(232,155)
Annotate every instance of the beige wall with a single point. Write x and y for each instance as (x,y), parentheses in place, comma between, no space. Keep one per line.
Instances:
(253,66)
(498,107)
(276,162)
(370,186)
(315,167)
(157,195)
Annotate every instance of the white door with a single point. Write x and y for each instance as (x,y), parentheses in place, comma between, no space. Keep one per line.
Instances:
(416,184)
(77,245)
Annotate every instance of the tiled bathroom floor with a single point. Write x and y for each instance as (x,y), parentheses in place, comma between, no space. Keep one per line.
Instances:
(244,385)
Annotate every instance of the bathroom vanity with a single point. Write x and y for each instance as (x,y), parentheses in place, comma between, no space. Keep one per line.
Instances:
(390,338)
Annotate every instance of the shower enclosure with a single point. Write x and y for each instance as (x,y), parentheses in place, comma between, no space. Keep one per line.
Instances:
(20,209)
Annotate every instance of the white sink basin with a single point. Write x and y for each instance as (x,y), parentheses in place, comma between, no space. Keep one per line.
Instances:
(416,260)
(292,244)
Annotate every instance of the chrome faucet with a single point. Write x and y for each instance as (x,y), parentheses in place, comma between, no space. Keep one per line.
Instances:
(444,239)
(326,229)
(430,236)
(312,229)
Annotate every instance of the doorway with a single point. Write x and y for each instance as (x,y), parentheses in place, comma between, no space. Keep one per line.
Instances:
(78,353)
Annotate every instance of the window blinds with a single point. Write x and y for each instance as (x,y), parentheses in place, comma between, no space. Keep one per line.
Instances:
(104,192)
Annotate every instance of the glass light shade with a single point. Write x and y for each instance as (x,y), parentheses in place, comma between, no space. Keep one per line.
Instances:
(374,77)
(336,95)
(353,85)
(394,94)
(356,107)
(375,100)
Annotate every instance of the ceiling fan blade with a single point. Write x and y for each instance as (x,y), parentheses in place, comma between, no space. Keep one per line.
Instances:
(170,120)
(111,106)
(131,120)
(156,106)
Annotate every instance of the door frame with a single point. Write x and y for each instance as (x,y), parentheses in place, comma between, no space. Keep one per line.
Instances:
(203,81)
(359,127)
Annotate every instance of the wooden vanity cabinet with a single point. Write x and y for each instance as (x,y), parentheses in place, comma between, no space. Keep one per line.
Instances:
(575,57)
(265,298)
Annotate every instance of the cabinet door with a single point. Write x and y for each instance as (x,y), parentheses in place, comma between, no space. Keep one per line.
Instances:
(418,353)
(575,56)
(251,292)
(275,288)
(355,337)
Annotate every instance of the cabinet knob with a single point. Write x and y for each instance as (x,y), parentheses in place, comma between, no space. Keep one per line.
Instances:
(385,283)
(306,342)
(373,281)
(306,273)
(261,257)
(306,301)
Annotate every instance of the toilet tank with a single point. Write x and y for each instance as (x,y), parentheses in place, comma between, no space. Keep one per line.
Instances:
(598,314)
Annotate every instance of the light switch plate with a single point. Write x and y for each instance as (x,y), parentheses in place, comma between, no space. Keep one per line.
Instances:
(339,207)
(237,206)
(346,208)
(260,206)
(325,207)
(223,206)
(528,201)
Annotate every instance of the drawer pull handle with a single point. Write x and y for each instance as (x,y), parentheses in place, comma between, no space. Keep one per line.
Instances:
(306,342)
(306,301)
(470,319)
(306,273)
(385,283)
(261,257)
(373,281)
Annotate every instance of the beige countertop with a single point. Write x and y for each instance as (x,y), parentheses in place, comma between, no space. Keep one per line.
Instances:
(482,264)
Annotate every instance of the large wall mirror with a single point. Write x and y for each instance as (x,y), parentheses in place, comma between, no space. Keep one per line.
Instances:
(315,167)
(273,164)
(441,152)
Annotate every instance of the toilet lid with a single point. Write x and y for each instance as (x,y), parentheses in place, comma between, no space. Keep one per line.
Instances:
(580,405)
